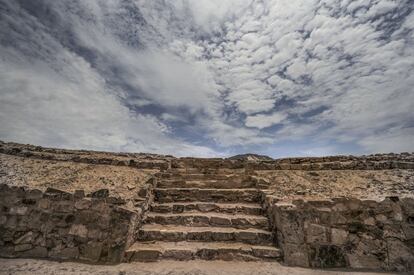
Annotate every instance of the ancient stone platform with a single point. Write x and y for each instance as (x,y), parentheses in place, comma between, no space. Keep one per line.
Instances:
(204,215)
(330,212)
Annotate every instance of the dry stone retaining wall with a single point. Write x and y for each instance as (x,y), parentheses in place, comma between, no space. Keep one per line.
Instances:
(60,225)
(345,232)
(328,163)
(163,162)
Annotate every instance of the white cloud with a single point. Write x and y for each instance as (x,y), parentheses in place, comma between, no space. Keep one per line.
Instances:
(395,139)
(264,121)
(340,70)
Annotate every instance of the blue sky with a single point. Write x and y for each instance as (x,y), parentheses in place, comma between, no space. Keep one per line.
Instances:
(209,77)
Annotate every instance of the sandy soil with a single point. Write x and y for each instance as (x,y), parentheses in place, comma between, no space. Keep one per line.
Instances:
(31,267)
(69,176)
(371,184)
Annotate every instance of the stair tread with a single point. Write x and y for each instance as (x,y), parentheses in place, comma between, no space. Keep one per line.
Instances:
(208,207)
(208,189)
(181,228)
(220,204)
(193,180)
(160,245)
(208,214)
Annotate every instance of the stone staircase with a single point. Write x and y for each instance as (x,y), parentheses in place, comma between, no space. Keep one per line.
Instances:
(208,215)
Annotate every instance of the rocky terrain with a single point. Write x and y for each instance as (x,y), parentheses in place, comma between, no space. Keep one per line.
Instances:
(69,176)
(364,184)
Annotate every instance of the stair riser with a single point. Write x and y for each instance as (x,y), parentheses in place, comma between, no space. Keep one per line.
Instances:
(175,176)
(204,184)
(206,195)
(181,208)
(206,171)
(203,254)
(240,223)
(207,236)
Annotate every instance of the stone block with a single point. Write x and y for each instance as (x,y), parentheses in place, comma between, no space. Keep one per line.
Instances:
(28,237)
(11,222)
(206,207)
(18,210)
(86,217)
(146,256)
(68,253)
(43,203)
(91,251)
(289,223)
(407,205)
(83,204)
(79,194)
(394,231)
(79,230)
(316,233)
(400,256)
(369,221)
(220,221)
(101,193)
(56,194)
(338,236)
(408,231)
(7,251)
(356,227)
(3,219)
(115,200)
(295,255)
(381,218)
(65,206)
(94,234)
(178,254)
(357,260)
(326,256)
(115,253)
(22,247)
(36,252)
(353,204)
(340,207)
(34,194)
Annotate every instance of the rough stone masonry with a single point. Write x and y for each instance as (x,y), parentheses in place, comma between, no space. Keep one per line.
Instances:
(342,211)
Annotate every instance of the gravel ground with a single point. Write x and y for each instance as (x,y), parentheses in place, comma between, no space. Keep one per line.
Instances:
(32,267)
(364,184)
(69,176)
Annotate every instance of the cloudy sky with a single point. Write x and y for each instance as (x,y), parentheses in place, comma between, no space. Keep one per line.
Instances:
(209,77)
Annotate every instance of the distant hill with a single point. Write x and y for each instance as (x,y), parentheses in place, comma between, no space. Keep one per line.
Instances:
(253,157)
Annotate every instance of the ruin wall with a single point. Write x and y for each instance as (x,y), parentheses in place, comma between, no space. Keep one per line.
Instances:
(345,233)
(67,226)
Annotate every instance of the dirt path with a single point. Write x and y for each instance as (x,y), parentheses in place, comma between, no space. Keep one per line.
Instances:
(33,267)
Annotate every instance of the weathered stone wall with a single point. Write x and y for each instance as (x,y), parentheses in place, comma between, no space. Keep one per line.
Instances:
(163,162)
(308,164)
(60,225)
(141,161)
(345,232)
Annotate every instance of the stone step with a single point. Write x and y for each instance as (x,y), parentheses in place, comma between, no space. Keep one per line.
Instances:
(207,171)
(229,208)
(173,233)
(209,219)
(196,176)
(205,183)
(184,251)
(207,195)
